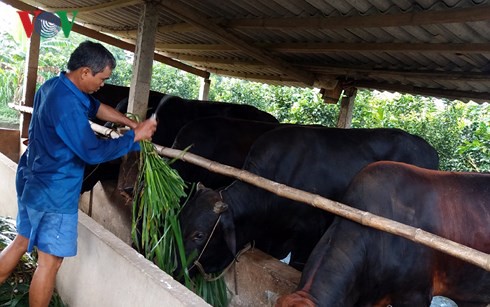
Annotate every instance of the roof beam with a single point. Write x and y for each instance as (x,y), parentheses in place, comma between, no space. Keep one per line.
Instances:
(195,47)
(214,60)
(402,73)
(339,47)
(479,97)
(177,27)
(476,13)
(194,17)
(95,8)
(333,70)
(384,47)
(254,77)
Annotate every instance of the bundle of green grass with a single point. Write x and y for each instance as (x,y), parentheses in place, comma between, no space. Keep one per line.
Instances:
(156,230)
(15,290)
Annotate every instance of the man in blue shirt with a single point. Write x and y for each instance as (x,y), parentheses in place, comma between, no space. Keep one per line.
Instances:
(50,172)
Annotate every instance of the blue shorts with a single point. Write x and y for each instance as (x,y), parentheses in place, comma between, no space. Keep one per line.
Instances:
(52,233)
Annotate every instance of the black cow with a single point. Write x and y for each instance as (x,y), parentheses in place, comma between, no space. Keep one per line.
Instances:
(317,160)
(354,265)
(173,113)
(224,140)
(111,94)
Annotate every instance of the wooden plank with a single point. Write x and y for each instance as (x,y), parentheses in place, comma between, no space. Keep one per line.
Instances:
(346,108)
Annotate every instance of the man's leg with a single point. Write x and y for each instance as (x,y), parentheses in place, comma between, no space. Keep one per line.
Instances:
(10,256)
(43,281)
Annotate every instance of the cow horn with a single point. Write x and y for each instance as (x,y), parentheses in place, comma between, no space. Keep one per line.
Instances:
(200,186)
(220,207)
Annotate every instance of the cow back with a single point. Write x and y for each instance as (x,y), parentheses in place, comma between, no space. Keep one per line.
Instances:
(221,139)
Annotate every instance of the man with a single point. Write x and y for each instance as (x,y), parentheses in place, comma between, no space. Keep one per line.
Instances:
(50,172)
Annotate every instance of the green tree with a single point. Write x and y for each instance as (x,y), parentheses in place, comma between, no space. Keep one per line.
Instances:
(11,77)
(457,130)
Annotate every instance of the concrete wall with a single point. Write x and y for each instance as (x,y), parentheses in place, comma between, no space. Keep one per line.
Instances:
(8,199)
(106,272)
(107,207)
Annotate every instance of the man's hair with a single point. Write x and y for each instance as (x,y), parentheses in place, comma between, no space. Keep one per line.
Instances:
(91,55)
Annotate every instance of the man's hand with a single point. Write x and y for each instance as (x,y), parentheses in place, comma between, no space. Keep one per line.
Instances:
(145,130)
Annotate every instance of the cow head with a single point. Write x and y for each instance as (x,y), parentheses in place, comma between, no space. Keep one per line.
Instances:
(208,230)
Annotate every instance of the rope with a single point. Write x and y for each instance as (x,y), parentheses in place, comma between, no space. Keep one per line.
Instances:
(208,277)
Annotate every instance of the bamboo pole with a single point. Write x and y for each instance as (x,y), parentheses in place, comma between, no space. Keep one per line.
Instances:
(108,132)
(418,235)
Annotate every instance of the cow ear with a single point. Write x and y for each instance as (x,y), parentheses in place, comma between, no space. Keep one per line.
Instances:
(228,226)
(219,207)
(200,186)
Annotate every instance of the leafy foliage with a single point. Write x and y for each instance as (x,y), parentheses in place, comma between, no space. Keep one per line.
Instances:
(156,229)
(11,75)
(15,290)
(459,131)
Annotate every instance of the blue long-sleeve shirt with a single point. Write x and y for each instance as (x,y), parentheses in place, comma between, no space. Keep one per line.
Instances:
(50,172)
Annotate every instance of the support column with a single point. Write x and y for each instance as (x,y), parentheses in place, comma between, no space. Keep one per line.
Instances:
(204,90)
(139,90)
(143,60)
(29,89)
(346,108)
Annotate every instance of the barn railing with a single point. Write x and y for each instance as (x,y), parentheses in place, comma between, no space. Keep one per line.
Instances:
(365,218)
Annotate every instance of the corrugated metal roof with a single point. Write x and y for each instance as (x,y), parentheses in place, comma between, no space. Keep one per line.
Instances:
(430,47)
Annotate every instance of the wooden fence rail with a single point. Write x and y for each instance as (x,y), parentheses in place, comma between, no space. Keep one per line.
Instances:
(418,235)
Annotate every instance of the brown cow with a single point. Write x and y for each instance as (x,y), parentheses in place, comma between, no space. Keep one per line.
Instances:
(354,265)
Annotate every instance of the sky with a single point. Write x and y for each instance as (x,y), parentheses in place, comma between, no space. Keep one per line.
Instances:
(8,16)
(11,21)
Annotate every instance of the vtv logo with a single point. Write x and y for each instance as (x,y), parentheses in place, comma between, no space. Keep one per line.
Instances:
(46,24)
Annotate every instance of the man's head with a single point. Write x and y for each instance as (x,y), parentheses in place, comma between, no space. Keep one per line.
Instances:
(93,64)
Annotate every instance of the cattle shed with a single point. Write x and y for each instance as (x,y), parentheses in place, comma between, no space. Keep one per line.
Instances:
(425,47)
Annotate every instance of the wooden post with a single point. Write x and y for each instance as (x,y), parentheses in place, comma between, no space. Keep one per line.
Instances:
(204,90)
(29,89)
(139,91)
(346,108)
(143,60)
